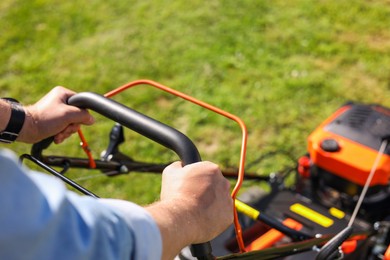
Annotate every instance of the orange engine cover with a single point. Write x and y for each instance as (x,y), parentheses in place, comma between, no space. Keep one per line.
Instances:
(347,143)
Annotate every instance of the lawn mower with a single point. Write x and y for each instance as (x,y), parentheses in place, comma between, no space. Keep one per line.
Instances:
(337,208)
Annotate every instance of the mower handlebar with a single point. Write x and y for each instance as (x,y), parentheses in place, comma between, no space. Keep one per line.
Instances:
(142,124)
(150,128)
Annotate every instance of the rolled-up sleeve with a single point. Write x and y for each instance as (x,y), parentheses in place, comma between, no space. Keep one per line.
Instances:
(41,219)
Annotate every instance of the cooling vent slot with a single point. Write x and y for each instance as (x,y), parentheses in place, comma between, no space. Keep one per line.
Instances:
(358,116)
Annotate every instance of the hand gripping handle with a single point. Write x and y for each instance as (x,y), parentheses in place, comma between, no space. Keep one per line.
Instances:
(150,128)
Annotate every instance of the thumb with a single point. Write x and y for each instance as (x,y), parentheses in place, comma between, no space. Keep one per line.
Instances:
(173,167)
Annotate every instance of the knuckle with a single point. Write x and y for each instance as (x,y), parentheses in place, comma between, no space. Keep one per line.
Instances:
(58,89)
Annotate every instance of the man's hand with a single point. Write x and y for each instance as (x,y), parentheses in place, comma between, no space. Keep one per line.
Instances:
(202,190)
(195,205)
(52,116)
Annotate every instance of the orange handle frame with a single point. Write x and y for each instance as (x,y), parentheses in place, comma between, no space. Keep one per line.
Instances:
(241,168)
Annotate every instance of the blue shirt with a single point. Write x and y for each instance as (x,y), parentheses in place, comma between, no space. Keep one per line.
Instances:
(41,219)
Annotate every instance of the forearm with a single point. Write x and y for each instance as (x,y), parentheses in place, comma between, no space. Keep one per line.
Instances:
(73,227)
(30,132)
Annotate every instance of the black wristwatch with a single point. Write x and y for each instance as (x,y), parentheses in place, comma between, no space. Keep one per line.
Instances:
(16,121)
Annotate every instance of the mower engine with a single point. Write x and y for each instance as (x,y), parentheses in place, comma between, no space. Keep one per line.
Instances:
(342,151)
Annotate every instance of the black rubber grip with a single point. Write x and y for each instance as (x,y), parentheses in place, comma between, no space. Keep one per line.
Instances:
(150,128)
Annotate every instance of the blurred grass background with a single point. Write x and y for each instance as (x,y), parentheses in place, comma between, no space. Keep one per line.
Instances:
(282,66)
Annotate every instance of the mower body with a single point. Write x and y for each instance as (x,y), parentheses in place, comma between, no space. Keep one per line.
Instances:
(342,151)
(329,179)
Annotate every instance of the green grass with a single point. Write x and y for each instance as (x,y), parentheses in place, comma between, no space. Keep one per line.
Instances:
(282,66)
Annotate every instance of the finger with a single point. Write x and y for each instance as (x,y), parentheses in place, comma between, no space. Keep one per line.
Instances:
(62,92)
(173,167)
(204,166)
(59,138)
(67,132)
(70,129)
(80,116)
(75,114)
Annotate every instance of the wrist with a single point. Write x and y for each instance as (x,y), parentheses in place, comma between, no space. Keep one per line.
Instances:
(28,133)
(176,225)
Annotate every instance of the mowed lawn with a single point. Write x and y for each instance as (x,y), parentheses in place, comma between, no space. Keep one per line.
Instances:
(282,66)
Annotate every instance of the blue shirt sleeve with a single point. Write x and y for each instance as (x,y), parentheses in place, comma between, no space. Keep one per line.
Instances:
(41,219)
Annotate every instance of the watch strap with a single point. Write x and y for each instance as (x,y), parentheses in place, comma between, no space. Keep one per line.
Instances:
(15,124)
